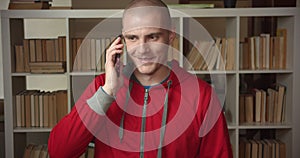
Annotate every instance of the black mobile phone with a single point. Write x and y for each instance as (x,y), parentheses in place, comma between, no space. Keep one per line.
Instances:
(117,58)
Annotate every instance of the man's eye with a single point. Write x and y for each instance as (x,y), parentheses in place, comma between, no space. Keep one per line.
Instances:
(154,37)
(132,38)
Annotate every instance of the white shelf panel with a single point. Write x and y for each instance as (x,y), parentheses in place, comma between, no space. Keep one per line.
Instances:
(231,126)
(85,73)
(105,13)
(265,126)
(265,71)
(31,74)
(213,72)
(31,129)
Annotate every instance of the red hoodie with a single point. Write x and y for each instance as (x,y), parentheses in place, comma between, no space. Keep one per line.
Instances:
(182,117)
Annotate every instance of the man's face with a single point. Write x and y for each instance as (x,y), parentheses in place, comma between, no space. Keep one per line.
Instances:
(147,48)
(147,41)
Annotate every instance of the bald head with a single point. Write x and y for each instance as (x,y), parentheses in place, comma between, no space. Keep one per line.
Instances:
(146,13)
(141,3)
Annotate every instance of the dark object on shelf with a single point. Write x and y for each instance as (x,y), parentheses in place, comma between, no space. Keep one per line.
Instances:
(229,3)
(29,5)
(274,3)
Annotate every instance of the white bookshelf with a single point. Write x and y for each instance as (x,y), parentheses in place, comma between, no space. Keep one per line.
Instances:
(288,18)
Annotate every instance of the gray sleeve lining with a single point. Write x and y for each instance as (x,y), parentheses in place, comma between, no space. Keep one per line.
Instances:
(100,101)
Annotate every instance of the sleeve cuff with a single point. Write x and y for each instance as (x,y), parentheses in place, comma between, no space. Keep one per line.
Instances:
(100,101)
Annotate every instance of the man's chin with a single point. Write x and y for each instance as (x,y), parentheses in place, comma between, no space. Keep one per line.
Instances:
(146,69)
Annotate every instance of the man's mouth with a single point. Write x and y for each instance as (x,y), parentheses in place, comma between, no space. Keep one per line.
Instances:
(145,60)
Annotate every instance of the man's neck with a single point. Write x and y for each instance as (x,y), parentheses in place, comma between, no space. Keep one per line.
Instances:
(153,79)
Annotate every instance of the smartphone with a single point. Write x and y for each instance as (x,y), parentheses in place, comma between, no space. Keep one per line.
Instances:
(117,58)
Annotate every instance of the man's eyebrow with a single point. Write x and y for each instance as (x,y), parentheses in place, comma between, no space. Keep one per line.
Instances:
(130,36)
(154,34)
(150,34)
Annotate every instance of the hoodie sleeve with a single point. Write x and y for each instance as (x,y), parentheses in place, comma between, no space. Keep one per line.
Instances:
(213,132)
(71,136)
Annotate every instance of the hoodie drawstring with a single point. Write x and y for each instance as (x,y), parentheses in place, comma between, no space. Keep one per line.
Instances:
(121,130)
(164,120)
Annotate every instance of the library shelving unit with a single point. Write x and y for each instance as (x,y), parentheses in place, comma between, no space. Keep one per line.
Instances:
(227,23)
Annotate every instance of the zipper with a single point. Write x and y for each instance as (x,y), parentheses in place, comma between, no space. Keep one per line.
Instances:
(143,127)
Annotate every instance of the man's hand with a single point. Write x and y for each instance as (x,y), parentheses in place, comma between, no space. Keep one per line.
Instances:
(112,80)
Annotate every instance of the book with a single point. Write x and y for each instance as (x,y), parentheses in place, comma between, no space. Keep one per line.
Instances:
(242,147)
(263,106)
(52,110)
(282,32)
(44,152)
(62,104)
(251,49)
(194,57)
(280,100)
(46,99)
(32,51)
(50,49)
(242,118)
(213,56)
(249,107)
(28,150)
(267,49)
(19,109)
(53,64)
(27,109)
(248,150)
(39,50)
(62,48)
(32,109)
(26,54)
(230,56)
(20,67)
(41,109)
(260,148)
(257,94)
(35,153)
(47,67)
(93,54)
(271,104)
(282,149)
(254,149)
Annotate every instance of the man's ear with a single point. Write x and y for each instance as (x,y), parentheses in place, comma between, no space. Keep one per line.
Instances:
(172,36)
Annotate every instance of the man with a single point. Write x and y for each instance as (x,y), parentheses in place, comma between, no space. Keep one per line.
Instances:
(153,108)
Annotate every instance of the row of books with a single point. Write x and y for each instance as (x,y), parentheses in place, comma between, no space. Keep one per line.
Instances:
(48,67)
(264,51)
(263,105)
(39,50)
(36,151)
(218,54)
(266,148)
(89,54)
(34,108)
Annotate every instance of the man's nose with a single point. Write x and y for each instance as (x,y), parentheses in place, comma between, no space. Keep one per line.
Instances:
(143,47)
